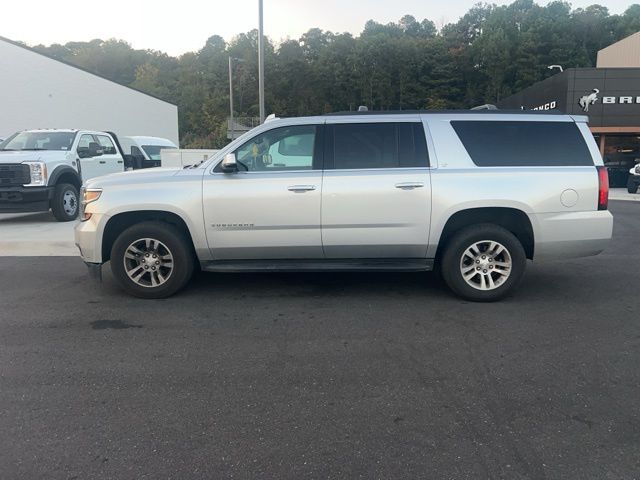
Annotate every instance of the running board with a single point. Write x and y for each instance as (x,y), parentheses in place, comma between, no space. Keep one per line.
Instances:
(320,265)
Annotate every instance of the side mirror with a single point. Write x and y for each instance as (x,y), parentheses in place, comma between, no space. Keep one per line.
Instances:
(229,164)
(95,150)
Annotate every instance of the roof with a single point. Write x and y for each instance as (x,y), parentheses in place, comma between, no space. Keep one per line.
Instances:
(60,130)
(446,112)
(33,50)
(144,138)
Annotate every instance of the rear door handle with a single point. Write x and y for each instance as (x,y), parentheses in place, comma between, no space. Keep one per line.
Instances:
(409,185)
(103,161)
(301,188)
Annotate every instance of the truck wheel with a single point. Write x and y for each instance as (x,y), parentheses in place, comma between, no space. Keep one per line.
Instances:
(632,187)
(64,204)
(152,260)
(483,263)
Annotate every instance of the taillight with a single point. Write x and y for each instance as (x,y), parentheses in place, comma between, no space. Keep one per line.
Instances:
(603,188)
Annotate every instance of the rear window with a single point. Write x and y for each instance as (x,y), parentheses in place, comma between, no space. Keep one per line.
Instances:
(523,144)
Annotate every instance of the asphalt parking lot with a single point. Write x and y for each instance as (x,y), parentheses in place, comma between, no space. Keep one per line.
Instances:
(323,375)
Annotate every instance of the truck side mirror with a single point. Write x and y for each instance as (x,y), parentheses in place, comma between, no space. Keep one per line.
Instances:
(229,164)
(95,150)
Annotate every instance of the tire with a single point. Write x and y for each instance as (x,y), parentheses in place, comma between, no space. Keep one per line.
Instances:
(632,187)
(166,273)
(65,203)
(502,267)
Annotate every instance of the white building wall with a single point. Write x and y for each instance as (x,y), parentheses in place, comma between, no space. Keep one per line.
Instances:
(39,92)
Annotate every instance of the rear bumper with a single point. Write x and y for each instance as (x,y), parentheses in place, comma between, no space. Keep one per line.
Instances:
(25,199)
(572,234)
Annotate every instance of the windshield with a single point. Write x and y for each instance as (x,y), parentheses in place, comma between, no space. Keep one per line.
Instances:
(154,150)
(39,141)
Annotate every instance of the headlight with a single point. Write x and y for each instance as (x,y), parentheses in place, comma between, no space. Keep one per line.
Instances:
(88,196)
(38,172)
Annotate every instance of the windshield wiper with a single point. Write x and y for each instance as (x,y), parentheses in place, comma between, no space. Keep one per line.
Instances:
(8,149)
(31,149)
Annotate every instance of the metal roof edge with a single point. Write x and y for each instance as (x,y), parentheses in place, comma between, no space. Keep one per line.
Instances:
(33,50)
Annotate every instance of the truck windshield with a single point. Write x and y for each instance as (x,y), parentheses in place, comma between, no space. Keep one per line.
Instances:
(154,150)
(39,141)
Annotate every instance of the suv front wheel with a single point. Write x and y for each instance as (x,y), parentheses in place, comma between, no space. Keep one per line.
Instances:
(483,263)
(152,260)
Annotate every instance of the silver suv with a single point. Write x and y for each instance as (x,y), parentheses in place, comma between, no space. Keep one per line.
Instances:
(475,194)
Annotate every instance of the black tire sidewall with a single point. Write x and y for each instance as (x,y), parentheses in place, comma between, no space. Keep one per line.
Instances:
(176,242)
(632,187)
(465,238)
(57,205)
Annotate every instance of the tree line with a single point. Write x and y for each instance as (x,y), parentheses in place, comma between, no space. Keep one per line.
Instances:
(490,53)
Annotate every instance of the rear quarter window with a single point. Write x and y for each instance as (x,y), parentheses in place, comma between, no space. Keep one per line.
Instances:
(523,144)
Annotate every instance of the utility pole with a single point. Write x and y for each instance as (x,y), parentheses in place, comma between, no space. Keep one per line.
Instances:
(261,61)
(232,125)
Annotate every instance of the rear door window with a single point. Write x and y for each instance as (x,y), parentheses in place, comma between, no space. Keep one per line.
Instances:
(377,145)
(107,145)
(523,144)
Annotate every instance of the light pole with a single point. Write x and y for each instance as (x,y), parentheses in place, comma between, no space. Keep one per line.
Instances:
(231,98)
(261,61)
(231,122)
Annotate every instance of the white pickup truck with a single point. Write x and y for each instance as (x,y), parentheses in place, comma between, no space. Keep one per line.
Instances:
(44,169)
(144,152)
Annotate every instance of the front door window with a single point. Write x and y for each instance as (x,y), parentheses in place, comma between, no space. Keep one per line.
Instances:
(280,149)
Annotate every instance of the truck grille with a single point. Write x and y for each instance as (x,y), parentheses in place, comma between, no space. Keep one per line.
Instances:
(12,175)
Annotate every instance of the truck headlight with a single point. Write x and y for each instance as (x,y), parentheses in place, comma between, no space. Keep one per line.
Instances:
(88,196)
(38,172)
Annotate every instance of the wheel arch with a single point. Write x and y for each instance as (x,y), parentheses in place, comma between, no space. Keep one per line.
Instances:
(512,219)
(121,221)
(65,174)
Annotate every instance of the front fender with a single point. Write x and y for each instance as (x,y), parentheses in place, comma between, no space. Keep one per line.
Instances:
(60,170)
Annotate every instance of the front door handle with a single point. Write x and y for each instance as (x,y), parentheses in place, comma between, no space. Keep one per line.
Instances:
(301,188)
(409,185)
(103,161)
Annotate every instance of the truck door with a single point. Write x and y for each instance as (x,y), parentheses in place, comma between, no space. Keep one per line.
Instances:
(376,192)
(111,161)
(88,160)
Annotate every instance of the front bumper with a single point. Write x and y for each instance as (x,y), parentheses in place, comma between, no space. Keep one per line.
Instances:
(88,238)
(25,199)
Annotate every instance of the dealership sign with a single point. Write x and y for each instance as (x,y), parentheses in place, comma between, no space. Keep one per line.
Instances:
(621,99)
(547,106)
(591,98)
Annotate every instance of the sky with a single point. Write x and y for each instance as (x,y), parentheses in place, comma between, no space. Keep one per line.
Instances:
(176,27)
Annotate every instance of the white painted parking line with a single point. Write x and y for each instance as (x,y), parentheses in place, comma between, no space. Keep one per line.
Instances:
(35,234)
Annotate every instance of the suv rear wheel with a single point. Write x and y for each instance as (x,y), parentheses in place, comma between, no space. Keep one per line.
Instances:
(64,204)
(152,260)
(632,187)
(483,263)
